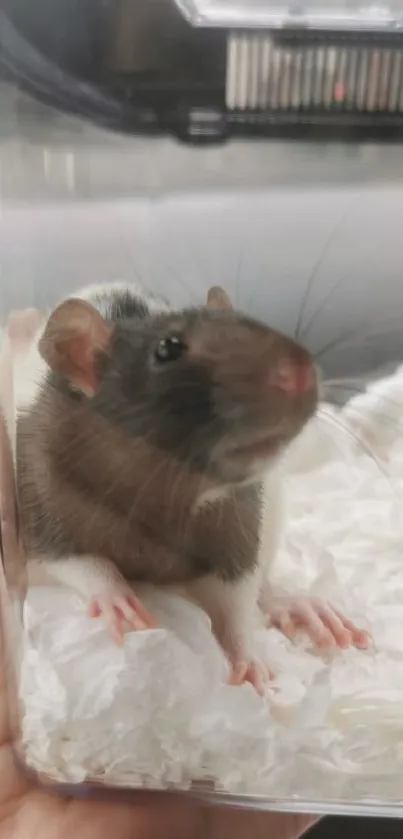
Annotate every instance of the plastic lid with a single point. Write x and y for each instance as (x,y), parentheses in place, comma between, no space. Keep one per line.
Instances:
(317,14)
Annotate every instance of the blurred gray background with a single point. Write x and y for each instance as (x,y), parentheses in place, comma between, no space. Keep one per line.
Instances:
(296,232)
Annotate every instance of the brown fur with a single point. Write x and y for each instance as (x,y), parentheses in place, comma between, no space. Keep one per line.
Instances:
(72,503)
(120,448)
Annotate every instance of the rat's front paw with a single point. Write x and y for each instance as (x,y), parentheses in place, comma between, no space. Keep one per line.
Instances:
(324,625)
(255,672)
(119,606)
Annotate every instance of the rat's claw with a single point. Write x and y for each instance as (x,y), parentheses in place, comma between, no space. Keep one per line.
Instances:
(118,607)
(254,672)
(359,637)
(324,625)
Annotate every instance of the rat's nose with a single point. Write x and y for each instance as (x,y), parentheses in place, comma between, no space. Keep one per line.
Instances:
(294,376)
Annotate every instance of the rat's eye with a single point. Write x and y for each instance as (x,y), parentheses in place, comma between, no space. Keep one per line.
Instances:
(169,349)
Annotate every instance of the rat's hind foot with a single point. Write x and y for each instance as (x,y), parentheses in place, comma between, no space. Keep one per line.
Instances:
(118,605)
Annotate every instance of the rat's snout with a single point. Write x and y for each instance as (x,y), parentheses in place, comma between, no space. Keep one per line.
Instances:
(294,375)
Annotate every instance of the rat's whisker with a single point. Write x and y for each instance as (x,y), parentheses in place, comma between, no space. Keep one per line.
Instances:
(186,286)
(328,417)
(316,268)
(321,307)
(353,336)
(380,408)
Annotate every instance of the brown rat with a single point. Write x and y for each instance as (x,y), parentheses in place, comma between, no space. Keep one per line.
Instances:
(142,456)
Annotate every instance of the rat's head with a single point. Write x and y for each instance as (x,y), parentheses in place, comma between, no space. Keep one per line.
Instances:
(219,392)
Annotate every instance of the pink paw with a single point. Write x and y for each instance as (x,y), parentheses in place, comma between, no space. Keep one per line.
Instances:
(254,672)
(118,605)
(324,624)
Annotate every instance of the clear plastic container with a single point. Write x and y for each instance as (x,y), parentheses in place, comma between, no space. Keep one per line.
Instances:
(303,236)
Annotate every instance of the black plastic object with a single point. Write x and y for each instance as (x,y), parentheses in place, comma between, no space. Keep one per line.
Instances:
(140,66)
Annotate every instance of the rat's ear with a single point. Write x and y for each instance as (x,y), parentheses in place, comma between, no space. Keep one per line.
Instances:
(217,298)
(73,335)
